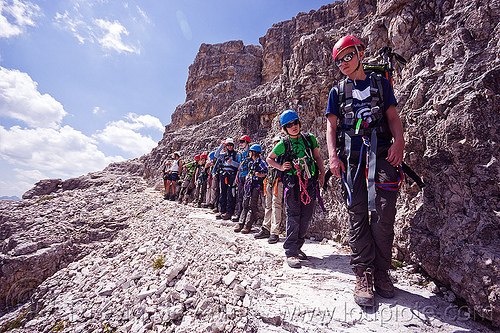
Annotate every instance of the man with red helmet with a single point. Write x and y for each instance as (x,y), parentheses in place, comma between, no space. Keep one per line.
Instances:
(241,176)
(200,180)
(362,118)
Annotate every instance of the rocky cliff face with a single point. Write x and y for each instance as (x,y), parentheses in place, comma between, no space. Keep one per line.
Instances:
(449,101)
(448,97)
(220,75)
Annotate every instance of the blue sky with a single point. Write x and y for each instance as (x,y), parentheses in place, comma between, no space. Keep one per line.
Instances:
(84,83)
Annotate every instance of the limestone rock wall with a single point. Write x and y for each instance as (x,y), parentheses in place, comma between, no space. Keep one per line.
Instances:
(448,97)
(220,75)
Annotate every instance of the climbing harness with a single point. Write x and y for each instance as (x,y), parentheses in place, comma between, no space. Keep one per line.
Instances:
(370,146)
(304,195)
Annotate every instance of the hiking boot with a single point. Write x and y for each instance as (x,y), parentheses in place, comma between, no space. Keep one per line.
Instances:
(246,230)
(235,218)
(263,233)
(273,239)
(301,255)
(219,216)
(199,205)
(172,198)
(383,284)
(238,228)
(166,196)
(226,216)
(206,205)
(363,292)
(293,262)
(216,210)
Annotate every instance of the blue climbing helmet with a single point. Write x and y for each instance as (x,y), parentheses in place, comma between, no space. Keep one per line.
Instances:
(256,148)
(288,116)
(212,155)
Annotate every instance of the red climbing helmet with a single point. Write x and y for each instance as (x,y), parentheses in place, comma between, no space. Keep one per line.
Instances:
(345,42)
(245,138)
(203,156)
(197,158)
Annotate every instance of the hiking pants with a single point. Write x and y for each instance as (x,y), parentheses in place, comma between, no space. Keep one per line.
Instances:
(201,189)
(212,191)
(274,207)
(298,217)
(240,189)
(371,236)
(186,190)
(227,193)
(250,205)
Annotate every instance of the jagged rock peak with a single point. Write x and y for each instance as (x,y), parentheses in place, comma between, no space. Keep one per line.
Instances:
(220,75)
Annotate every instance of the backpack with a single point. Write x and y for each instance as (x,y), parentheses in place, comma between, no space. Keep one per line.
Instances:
(290,156)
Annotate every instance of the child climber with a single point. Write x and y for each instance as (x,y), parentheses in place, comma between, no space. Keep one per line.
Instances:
(253,186)
(303,169)
(361,115)
(171,176)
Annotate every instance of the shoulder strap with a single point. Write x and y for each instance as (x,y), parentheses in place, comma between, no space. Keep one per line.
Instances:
(288,150)
(307,137)
(308,140)
(345,102)
(377,99)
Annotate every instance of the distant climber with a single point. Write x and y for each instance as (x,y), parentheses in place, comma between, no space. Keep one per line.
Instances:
(171,175)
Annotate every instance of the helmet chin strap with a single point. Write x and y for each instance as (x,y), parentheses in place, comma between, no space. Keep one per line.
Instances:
(359,64)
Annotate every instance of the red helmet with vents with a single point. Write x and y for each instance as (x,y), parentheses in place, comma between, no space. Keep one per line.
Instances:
(344,43)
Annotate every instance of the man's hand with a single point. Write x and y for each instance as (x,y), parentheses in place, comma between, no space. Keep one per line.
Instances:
(321,179)
(337,167)
(395,153)
(286,166)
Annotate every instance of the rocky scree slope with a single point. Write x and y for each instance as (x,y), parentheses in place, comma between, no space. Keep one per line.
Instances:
(176,268)
(45,232)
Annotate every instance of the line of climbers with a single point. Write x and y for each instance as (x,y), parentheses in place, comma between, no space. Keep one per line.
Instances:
(243,187)
(365,147)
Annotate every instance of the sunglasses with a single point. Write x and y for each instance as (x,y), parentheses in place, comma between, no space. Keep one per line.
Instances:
(243,141)
(292,123)
(348,57)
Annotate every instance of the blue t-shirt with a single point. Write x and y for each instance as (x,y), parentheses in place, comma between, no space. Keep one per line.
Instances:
(361,104)
(244,163)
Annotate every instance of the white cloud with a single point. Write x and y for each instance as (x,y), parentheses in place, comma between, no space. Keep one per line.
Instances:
(20,99)
(184,24)
(125,135)
(15,16)
(98,110)
(64,151)
(144,121)
(110,36)
(76,25)
(143,15)
(29,175)
(126,139)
